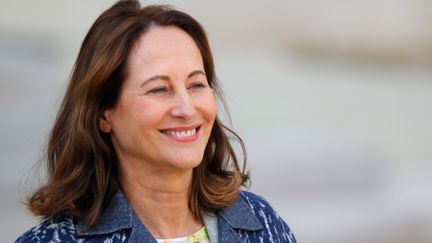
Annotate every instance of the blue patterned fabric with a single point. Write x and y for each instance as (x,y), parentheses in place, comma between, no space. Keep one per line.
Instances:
(249,219)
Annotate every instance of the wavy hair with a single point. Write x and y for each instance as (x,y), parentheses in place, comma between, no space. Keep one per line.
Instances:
(83,170)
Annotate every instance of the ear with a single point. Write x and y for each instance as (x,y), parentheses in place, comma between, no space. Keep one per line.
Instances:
(104,121)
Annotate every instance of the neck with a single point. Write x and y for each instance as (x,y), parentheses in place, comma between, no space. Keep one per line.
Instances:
(161,200)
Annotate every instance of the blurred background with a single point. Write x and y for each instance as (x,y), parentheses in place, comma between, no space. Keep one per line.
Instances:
(332,97)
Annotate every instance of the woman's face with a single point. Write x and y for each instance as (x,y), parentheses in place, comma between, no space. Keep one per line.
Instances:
(166,109)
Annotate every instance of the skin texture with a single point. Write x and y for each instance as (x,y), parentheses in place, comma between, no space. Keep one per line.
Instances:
(165,90)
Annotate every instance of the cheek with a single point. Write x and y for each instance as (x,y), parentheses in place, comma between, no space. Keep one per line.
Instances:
(131,114)
(213,109)
(148,114)
(123,115)
(208,106)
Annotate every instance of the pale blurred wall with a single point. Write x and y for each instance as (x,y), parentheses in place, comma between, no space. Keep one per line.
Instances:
(333,99)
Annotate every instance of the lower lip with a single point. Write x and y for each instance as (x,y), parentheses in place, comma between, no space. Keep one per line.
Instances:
(185,139)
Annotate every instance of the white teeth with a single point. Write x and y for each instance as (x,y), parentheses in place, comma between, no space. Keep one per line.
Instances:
(181,134)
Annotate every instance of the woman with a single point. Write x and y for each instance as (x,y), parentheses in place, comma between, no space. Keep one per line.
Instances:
(137,153)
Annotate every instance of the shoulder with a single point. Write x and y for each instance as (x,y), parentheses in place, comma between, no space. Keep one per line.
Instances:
(274,227)
(260,207)
(55,229)
(64,229)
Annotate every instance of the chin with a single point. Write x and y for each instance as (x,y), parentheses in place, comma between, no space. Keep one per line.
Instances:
(186,162)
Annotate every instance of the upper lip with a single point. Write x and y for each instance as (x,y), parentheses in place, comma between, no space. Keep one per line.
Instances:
(182,128)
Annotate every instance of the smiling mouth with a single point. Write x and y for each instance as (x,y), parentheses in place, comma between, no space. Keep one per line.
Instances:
(182,133)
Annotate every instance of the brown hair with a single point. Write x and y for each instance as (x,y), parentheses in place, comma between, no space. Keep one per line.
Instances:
(83,172)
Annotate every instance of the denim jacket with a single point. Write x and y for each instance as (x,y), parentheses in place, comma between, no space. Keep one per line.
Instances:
(249,219)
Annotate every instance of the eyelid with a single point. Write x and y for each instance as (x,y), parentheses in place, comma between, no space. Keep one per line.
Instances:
(200,83)
(158,90)
(197,87)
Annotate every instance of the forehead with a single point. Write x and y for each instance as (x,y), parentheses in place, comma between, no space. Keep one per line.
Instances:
(165,43)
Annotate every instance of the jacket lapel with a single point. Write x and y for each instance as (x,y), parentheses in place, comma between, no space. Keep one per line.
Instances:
(226,233)
(238,216)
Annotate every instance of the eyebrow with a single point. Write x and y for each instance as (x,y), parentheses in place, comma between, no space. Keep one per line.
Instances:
(167,78)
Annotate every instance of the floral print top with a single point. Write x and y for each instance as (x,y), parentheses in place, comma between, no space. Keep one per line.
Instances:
(199,237)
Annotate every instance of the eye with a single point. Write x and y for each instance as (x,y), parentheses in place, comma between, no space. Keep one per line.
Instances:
(158,90)
(197,85)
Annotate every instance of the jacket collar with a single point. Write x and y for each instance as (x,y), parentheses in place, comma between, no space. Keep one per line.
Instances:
(240,215)
(119,215)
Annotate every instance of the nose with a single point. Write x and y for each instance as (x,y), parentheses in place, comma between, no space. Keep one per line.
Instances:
(183,106)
